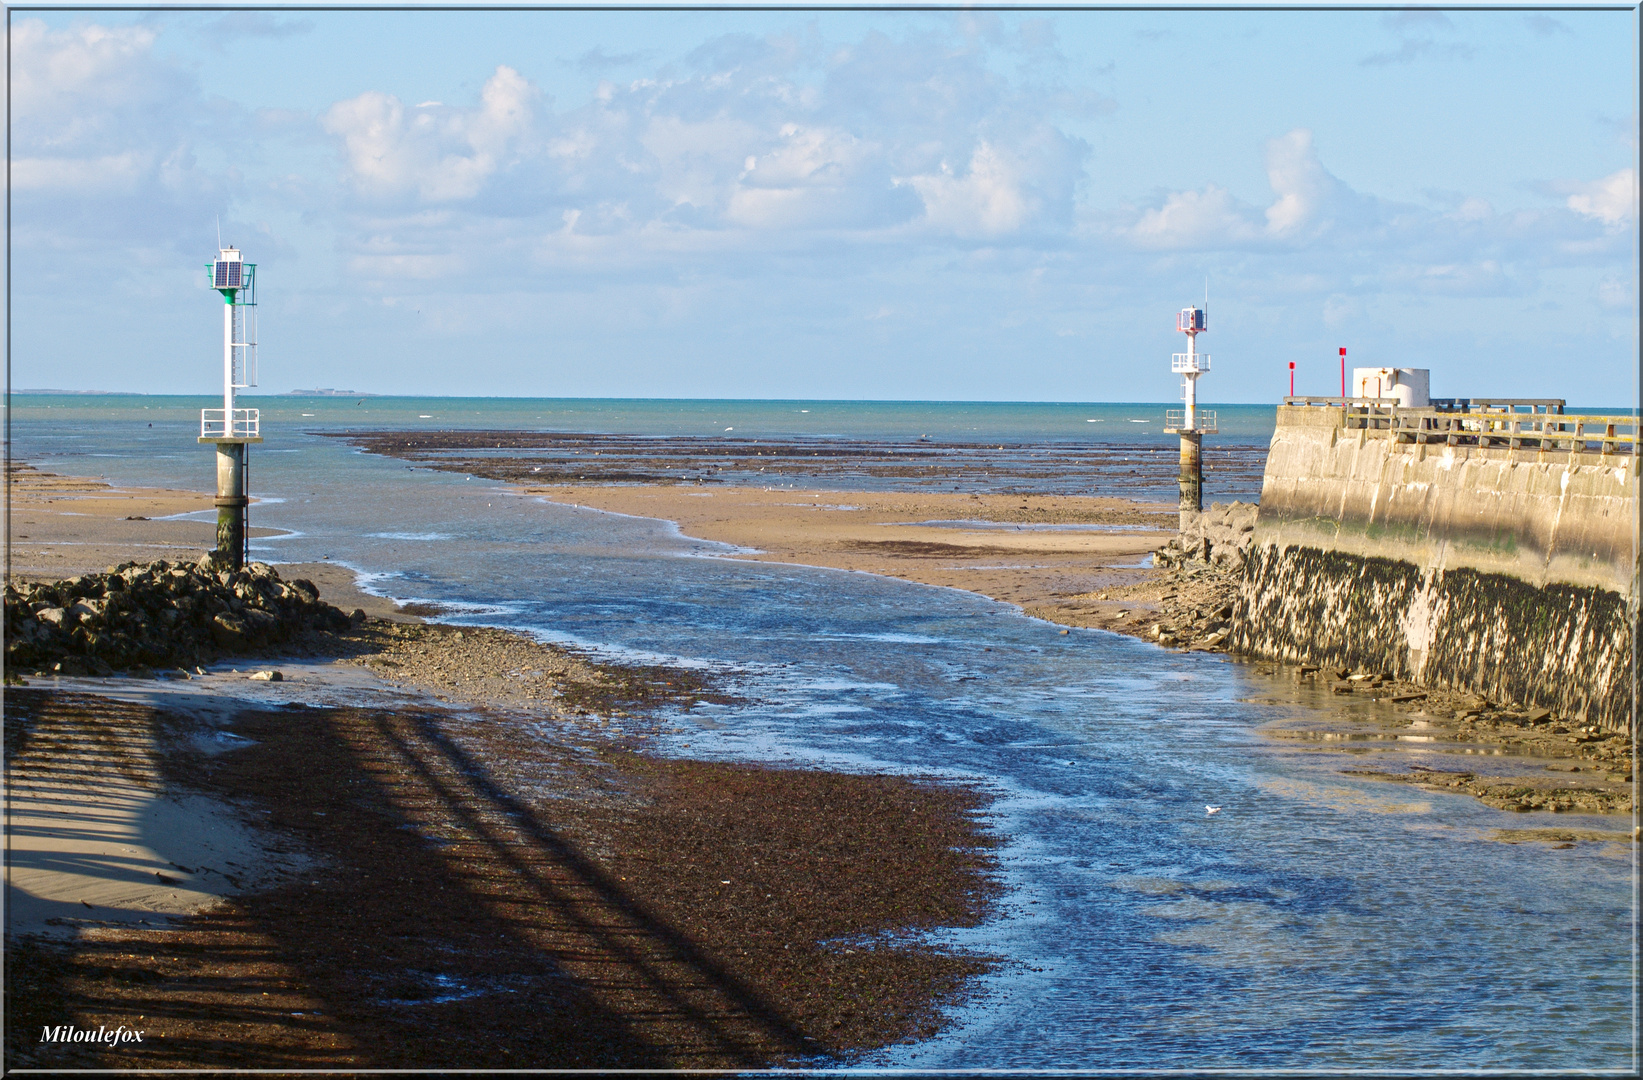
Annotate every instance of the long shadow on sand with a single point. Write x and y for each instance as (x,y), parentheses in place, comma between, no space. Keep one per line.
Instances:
(444,921)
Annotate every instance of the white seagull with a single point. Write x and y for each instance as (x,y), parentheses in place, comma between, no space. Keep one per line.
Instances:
(1208,810)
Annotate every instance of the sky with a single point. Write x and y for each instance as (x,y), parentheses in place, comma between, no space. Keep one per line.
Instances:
(928,205)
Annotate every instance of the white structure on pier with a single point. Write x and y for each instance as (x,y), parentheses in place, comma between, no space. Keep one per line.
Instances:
(1411,386)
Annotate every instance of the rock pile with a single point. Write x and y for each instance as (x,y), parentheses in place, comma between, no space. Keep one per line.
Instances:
(160,614)
(1221,537)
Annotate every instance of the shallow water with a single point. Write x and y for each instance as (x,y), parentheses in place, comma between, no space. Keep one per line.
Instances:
(1318,920)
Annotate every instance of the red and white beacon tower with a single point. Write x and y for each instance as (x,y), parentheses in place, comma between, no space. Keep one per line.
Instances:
(1191,422)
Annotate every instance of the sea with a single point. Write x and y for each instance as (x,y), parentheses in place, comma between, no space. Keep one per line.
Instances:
(1318,921)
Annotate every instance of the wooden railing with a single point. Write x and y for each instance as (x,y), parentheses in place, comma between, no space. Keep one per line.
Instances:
(1541,431)
(1544,405)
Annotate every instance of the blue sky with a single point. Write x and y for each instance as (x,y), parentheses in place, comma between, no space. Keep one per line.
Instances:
(926,205)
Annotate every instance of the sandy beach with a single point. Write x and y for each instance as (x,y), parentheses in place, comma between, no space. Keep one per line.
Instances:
(63,526)
(1078,561)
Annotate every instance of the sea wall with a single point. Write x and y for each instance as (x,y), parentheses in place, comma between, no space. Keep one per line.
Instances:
(1507,572)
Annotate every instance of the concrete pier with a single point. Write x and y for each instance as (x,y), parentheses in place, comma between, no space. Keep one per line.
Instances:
(1494,554)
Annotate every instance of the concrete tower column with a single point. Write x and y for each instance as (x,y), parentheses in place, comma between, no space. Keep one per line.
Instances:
(1192,477)
(231,503)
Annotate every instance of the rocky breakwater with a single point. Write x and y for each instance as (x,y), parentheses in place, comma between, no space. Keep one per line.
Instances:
(157,615)
(1203,567)
(1453,552)
(1220,537)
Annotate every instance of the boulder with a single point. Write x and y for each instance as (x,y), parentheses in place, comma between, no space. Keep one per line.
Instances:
(1221,536)
(229,632)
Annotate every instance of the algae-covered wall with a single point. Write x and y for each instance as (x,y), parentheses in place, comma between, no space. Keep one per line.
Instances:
(1508,573)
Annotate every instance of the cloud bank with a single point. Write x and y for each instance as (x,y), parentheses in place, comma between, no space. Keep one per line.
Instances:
(784,161)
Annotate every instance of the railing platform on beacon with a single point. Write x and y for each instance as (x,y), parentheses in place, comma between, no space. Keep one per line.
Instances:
(1175,421)
(246,426)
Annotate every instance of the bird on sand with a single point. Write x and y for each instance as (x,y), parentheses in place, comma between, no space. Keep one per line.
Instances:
(1208,810)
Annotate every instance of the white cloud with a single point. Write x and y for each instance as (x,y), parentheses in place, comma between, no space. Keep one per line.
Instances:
(1309,202)
(1196,219)
(1611,200)
(252,24)
(1615,292)
(986,200)
(1542,25)
(1473,209)
(437,152)
(1319,236)
(696,161)
(1416,31)
(814,177)
(1310,199)
(93,109)
(757,136)
(109,174)
(106,144)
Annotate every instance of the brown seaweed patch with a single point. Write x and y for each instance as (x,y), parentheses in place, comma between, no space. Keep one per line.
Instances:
(1561,836)
(928,550)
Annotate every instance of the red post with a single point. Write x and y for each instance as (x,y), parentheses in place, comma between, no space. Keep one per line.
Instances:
(1292,378)
(1343,374)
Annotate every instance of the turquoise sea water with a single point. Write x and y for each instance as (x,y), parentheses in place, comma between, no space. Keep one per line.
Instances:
(1319,921)
(945,421)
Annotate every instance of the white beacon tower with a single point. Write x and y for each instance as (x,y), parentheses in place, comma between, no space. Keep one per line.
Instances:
(1191,422)
(231,430)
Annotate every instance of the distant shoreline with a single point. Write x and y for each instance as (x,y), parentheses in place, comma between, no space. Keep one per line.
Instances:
(588,399)
(322,392)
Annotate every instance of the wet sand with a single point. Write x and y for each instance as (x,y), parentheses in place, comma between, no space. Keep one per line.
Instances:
(1442,741)
(94,835)
(64,526)
(1075,560)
